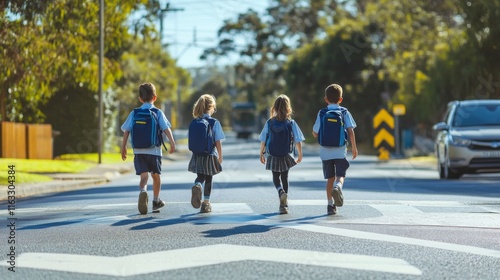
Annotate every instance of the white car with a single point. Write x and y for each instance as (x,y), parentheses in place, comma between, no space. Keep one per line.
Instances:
(468,138)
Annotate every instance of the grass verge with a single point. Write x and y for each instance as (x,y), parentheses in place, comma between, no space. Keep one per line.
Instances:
(33,170)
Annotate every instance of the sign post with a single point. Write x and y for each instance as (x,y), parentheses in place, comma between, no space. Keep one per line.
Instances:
(398,110)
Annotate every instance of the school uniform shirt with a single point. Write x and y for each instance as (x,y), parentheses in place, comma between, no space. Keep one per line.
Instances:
(326,153)
(297,133)
(162,120)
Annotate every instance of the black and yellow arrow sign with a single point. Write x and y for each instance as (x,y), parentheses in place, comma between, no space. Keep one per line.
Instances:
(383,141)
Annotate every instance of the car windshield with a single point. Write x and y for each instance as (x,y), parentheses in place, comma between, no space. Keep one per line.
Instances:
(477,115)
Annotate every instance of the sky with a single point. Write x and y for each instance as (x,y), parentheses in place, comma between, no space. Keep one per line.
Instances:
(206,16)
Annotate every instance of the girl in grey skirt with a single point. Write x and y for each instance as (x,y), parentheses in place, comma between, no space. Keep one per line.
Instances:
(279,135)
(206,165)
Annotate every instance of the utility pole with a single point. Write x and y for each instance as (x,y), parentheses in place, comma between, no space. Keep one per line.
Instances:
(162,14)
(101,58)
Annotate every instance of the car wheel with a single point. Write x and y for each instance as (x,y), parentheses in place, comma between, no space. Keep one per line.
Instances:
(440,170)
(449,173)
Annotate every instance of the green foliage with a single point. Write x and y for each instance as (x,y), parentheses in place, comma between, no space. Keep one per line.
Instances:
(50,53)
(145,61)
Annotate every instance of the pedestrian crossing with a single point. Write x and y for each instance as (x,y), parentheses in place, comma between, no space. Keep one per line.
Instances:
(374,212)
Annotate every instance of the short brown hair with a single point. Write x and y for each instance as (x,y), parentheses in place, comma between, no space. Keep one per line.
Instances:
(333,93)
(147,91)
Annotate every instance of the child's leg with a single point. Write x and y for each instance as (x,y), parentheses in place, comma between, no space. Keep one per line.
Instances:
(341,167)
(329,189)
(208,188)
(284,180)
(339,181)
(196,190)
(143,183)
(200,178)
(277,183)
(156,185)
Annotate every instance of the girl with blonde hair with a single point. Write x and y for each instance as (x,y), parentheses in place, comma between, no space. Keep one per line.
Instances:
(206,164)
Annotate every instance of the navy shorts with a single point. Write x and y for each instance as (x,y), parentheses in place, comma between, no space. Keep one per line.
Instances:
(335,167)
(147,163)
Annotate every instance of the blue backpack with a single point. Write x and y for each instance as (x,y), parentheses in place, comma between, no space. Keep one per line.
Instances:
(146,131)
(279,141)
(201,137)
(332,130)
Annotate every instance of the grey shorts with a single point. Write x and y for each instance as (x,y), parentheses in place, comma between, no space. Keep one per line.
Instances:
(335,167)
(147,163)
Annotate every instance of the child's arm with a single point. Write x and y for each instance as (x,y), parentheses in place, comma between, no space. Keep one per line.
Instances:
(170,137)
(124,145)
(299,151)
(352,140)
(218,146)
(262,152)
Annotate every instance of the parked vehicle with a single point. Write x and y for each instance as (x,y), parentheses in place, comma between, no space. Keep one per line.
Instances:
(468,138)
(244,119)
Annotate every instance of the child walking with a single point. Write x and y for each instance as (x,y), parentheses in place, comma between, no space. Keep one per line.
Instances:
(277,140)
(208,163)
(148,160)
(333,157)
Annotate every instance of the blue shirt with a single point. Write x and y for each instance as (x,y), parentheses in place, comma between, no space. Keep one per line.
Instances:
(297,133)
(162,120)
(326,153)
(218,133)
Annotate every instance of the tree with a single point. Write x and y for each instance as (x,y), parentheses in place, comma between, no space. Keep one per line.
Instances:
(264,43)
(50,45)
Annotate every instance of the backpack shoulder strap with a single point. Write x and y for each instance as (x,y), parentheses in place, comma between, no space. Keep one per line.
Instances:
(160,132)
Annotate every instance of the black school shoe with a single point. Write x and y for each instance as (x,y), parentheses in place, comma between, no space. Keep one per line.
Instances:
(331,210)
(158,205)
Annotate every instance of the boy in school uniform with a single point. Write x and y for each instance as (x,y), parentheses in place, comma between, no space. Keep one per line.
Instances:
(334,159)
(148,160)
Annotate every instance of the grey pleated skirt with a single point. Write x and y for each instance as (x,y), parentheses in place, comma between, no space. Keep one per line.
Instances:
(204,164)
(279,164)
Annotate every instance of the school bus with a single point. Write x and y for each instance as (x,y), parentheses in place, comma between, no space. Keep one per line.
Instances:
(244,119)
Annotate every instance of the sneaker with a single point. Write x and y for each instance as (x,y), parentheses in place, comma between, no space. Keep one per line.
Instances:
(206,207)
(331,210)
(283,199)
(283,203)
(142,203)
(196,196)
(158,205)
(338,197)
(284,209)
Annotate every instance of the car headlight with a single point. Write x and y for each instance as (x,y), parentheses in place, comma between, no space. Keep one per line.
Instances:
(459,141)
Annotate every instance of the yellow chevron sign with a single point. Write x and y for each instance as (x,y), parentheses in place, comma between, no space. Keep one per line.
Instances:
(381,117)
(383,140)
(383,135)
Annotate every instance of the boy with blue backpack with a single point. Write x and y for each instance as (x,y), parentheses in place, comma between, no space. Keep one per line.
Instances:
(334,128)
(278,137)
(205,138)
(145,126)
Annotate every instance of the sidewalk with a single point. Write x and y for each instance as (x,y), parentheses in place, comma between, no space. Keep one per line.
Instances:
(62,182)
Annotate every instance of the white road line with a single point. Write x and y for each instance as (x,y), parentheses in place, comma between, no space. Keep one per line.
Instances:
(204,256)
(394,239)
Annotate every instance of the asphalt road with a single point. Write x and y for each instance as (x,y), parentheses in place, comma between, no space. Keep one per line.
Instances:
(399,221)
